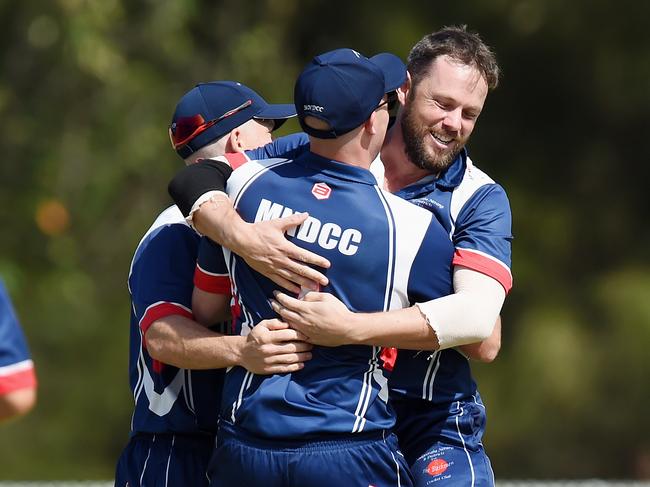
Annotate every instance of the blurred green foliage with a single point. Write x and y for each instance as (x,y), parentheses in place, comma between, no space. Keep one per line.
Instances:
(87,88)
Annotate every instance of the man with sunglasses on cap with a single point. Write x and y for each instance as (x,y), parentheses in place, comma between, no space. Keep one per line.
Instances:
(329,422)
(176,394)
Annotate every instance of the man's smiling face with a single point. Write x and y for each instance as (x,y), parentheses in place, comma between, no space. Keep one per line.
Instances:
(440,113)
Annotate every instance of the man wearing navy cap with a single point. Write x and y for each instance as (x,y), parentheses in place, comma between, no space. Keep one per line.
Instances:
(223,116)
(176,396)
(329,422)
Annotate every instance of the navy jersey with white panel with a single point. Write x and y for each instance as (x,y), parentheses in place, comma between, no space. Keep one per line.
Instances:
(385,254)
(436,392)
(167,399)
(475,212)
(211,273)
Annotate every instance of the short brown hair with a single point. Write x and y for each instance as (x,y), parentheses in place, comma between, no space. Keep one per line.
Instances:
(459,44)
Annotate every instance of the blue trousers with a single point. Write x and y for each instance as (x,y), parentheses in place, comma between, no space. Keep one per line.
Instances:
(364,461)
(164,460)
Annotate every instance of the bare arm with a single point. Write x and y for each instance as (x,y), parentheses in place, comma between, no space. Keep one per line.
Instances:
(467,316)
(271,347)
(210,308)
(198,190)
(17,403)
(262,245)
(327,321)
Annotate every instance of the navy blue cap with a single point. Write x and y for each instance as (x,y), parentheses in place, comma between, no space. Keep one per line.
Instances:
(227,104)
(343,87)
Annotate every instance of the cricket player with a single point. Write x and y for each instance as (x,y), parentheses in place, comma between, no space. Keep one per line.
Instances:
(329,422)
(441,417)
(17,377)
(176,395)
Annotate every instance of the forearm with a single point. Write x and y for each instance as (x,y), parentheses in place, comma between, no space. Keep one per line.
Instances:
(217,219)
(405,328)
(184,343)
(468,315)
(17,403)
(486,350)
(465,317)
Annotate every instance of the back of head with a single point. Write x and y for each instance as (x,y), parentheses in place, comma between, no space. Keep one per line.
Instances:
(210,111)
(338,90)
(458,44)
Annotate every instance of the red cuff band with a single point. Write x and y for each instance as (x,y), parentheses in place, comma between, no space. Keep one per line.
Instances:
(211,283)
(484,264)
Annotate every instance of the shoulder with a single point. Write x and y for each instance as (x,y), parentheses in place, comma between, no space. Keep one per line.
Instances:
(402,206)
(170,224)
(478,189)
(168,232)
(288,147)
(250,171)
(169,216)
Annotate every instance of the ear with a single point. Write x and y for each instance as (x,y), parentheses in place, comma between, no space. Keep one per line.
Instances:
(235,141)
(403,91)
(371,124)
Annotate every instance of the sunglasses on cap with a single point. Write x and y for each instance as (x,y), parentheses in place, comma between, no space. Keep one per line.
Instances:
(186,128)
(391,101)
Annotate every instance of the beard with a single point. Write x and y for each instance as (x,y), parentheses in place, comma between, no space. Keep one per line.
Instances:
(415,134)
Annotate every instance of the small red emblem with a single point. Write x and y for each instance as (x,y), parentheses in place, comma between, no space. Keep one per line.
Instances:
(437,467)
(321,191)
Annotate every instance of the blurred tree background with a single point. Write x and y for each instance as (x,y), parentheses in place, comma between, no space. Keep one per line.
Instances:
(87,88)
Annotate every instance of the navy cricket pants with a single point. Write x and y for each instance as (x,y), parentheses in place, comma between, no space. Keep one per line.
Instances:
(355,461)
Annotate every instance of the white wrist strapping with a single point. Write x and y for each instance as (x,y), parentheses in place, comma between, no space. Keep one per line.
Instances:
(202,199)
(468,315)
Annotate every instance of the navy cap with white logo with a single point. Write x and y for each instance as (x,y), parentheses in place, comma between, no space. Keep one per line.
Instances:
(211,110)
(343,88)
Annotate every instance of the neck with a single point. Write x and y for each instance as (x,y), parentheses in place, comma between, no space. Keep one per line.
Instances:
(399,171)
(352,152)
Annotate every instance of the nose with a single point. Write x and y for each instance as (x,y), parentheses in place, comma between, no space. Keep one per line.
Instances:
(452,120)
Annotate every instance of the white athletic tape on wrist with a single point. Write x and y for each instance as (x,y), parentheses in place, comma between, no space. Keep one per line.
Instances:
(204,198)
(468,315)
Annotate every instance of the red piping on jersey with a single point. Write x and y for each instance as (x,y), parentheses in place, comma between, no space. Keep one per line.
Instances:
(485,265)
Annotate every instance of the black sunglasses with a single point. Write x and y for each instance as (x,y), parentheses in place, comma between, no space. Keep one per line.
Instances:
(391,101)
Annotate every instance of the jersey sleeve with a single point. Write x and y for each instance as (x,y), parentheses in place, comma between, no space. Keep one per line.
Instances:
(16,366)
(161,280)
(211,274)
(288,147)
(483,235)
